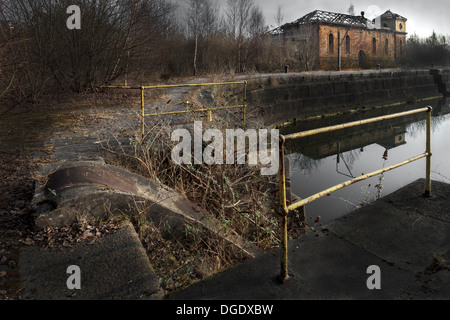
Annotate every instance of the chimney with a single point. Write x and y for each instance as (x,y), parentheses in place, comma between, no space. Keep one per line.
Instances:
(362,14)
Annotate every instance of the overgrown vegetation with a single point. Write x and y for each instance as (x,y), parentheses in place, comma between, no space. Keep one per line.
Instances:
(120,40)
(433,51)
(237,196)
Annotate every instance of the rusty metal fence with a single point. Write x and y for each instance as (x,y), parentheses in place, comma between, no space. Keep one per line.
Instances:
(207,111)
(284,274)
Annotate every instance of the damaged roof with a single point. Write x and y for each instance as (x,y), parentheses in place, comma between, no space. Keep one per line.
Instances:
(390,15)
(331,17)
(320,16)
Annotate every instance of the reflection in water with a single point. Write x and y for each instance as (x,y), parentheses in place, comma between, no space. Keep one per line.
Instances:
(322,161)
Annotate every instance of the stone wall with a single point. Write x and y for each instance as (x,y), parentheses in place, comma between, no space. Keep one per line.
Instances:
(442,80)
(276,99)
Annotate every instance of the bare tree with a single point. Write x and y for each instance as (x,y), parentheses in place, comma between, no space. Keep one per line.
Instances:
(203,23)
(257,32)
(238,15)
(308,46)
(51,57)
(195,15)
(279,20)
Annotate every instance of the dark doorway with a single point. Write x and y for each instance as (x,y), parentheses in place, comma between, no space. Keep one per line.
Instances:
(362,59)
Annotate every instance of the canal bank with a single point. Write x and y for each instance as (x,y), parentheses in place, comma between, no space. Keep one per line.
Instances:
(275,99)
(321,161)
(404,234)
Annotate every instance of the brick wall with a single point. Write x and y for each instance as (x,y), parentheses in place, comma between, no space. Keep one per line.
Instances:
(361,40)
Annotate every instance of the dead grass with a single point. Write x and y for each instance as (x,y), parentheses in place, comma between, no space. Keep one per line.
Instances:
(237,196)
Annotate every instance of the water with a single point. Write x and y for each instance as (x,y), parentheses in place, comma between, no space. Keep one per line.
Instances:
(360,150)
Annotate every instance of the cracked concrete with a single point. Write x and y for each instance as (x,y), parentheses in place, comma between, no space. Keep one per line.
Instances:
(331,264)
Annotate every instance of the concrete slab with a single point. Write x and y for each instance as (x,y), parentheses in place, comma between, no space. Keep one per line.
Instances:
(410,198)
(433,283)
(331,268)
(401,237)
(116,267)
(411,247)
(322,265)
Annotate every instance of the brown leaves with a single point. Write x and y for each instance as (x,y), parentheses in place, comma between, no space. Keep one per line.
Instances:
(70,235)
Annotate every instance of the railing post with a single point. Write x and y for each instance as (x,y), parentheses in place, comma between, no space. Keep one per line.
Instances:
(428,173)
(284,273)
(209,116)
(142,112)
(245,104)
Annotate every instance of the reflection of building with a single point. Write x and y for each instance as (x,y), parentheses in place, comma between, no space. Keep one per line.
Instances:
(354,40)
(442,108)
(397,138)
(388,134)
(319,147)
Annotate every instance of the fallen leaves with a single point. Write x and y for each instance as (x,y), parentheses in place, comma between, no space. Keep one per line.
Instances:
(70,235)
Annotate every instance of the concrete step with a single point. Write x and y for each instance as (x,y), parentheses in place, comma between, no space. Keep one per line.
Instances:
(115,267)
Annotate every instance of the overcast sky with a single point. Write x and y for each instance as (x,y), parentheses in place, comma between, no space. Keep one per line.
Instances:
(423,16)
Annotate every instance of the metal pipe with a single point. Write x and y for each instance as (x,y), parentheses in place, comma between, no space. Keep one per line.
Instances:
(120,87)
(284,275)
(190,111)
(142,112)
(351,124)
(282,176)
(208,111)
(428,172)
(193,85)
(327,192)
(174,85)
(245,104)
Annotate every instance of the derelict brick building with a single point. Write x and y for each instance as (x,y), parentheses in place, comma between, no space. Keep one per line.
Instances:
(363,43)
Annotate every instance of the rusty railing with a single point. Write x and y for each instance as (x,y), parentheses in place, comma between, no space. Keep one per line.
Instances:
(284,274)
(208,111)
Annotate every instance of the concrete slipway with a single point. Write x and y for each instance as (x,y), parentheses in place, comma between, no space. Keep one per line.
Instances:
(405,234)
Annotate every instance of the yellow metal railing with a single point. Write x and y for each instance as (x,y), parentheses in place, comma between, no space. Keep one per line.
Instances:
(208,111)
(284,275)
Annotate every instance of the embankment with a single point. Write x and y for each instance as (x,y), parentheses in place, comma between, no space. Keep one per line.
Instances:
(277,98)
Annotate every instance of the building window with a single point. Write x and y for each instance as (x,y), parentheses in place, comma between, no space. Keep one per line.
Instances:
(386,46)
(374,46)
(331,43)
(401,47)
(347,44)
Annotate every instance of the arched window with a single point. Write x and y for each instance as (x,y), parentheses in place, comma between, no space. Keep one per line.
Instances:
(347,44)
(374,46)
(386,46)
(331,43)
